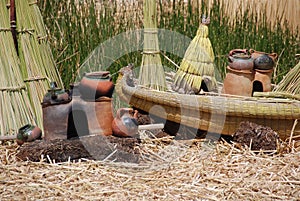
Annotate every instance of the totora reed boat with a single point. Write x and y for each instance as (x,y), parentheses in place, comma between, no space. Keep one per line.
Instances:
(212,112)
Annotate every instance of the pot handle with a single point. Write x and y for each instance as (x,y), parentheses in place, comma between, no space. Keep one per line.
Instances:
(234,51)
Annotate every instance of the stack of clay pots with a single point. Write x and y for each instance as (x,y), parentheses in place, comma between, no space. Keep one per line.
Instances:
(248,71)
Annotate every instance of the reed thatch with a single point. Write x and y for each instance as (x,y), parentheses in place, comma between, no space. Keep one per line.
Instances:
(15,107)
(152,72)
(37,64)
(197,66)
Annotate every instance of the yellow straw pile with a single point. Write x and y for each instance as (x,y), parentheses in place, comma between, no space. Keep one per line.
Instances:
(152,72)
(197,66)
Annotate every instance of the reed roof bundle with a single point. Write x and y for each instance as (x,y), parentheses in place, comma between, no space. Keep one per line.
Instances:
(170,170)
(15,107)
(152,72)
(37,64)
(197,66)
(291,82)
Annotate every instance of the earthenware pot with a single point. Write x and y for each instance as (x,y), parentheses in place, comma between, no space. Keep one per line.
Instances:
(263,60)
(28,133)
(238,82)
(125,123)
(240,59)
(96,84)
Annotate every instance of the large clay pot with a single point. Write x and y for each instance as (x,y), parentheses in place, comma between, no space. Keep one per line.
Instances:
(262,60)
(96,84)
(125,123)
(28,133)
(238,82)
(240,59)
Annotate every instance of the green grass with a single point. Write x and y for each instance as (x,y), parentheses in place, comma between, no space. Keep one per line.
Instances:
(75,30)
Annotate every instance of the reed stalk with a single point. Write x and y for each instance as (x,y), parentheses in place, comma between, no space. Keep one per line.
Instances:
(37,64)
(15,108)
(152,72)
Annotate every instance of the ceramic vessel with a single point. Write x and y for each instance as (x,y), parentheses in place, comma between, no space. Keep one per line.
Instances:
(238,82)
(96,84)
(28,133)
(263,60)
(125,123)
(240,59)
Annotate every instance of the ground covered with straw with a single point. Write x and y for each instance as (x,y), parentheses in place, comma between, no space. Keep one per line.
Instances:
(168,170)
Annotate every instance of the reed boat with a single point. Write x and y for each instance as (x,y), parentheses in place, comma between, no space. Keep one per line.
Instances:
(212,112)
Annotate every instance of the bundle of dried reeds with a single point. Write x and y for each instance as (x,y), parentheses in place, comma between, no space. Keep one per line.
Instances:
(37,64)
(291,82)
(152,72)
(15,108)
(196,70)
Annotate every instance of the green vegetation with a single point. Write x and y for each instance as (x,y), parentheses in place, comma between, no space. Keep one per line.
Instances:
(76,28)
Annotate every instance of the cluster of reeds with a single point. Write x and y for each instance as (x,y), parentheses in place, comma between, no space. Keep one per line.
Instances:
(37,64)
(152,72)
(77,27)
(291,82)
(15,107)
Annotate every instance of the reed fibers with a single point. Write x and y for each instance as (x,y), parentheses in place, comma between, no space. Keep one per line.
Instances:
(152,72)
(15,108)
(291,82)
(197,66)
(37,64)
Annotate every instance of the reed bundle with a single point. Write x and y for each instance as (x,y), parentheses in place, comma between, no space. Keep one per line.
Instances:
(152,72)
(291,82)
(37,64)
(197,66)
(15,108)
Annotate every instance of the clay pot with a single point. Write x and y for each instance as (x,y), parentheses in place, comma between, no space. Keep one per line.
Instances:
(96,84)
(240,59)
(28,133)
(238,82)
(264,78)
(125,123)
(262,60)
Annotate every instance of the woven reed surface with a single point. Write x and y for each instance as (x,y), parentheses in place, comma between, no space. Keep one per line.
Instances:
(214,113)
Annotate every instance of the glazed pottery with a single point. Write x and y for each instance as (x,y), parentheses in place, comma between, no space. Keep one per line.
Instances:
(240,59)
(28,133)
(125,123)
(96,84)
(262,60)
(238,82)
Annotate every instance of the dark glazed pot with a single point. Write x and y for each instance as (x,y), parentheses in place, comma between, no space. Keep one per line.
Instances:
(262,60)
(125,123)
(96,84)
(239,59)
(28,133)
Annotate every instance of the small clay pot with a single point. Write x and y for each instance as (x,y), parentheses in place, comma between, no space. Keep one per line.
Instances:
(262,60)
(239,59)
(125,123)
(28,133)
(96,84)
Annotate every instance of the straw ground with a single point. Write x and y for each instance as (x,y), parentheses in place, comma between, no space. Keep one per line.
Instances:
(169,170)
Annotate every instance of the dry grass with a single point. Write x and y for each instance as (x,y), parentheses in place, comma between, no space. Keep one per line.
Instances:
(285,13)
(170,170)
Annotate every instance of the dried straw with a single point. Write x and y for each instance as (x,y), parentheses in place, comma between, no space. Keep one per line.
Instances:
(152,72)
(291,82)
(197,65)
(15,108)
(37,64)
(172,170)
